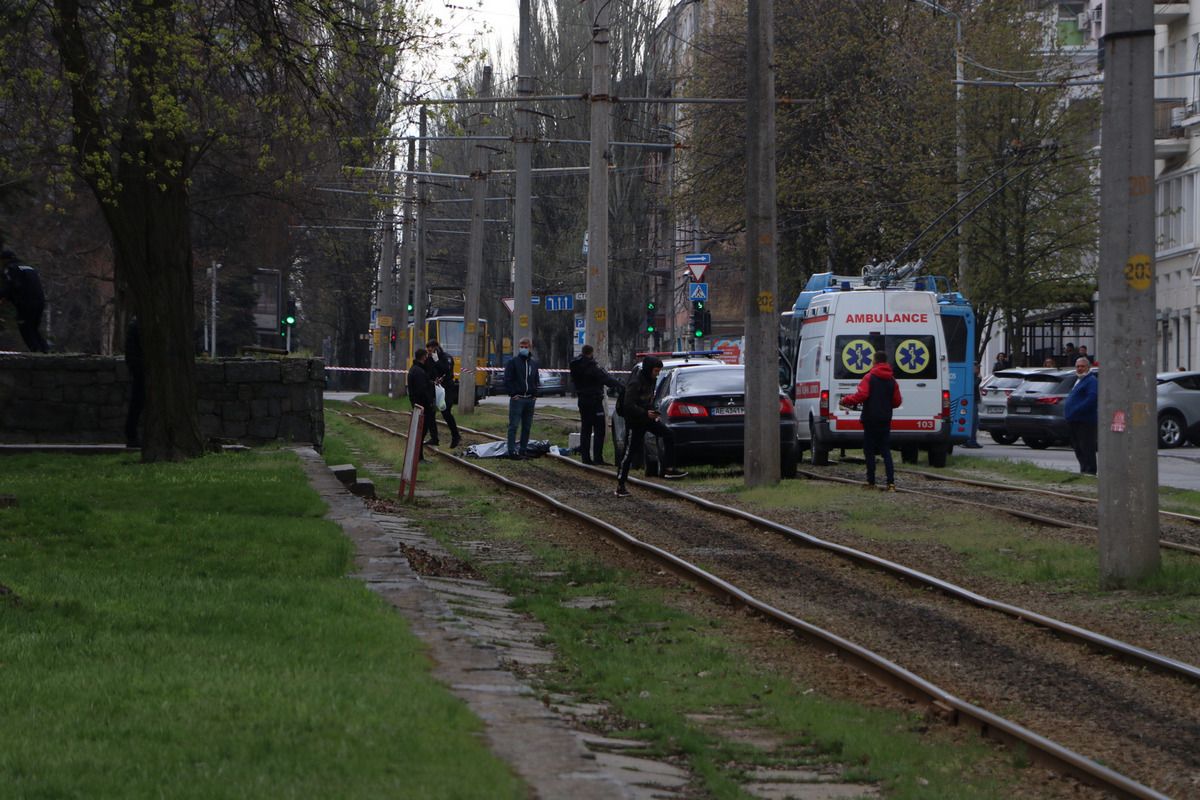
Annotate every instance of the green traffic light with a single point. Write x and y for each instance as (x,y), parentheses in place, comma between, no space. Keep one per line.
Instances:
(699,334)
(289,320)
(649,329)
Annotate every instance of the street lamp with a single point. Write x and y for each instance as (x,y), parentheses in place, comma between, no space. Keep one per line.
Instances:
(960,149)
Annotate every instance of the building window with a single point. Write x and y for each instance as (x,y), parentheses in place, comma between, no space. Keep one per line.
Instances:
(1175,204)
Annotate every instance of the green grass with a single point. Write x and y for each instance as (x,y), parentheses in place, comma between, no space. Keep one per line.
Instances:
(189,630)
(656,665)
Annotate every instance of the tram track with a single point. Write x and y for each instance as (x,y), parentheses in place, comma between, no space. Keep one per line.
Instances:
(1040,676)
(1041,506)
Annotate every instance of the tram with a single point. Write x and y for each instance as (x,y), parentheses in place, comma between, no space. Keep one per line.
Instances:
(447,329)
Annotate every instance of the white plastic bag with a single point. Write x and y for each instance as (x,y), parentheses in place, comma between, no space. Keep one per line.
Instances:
(439,397)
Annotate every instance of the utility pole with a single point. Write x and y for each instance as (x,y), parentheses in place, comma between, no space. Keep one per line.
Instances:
(523,203)
(1128,418)
(406,259)
(466,384)
(762,321)
(212,342)
(422,213)
(381,355)
(596,323)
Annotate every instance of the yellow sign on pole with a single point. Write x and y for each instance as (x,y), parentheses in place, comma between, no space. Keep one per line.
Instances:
(385,321)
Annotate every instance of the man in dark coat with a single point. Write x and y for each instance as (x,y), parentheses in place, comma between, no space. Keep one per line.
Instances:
(421,393)
(877,394)
(1081,411)
(590,379)
(23,288)
(637,406)
(521,381)
(440,366)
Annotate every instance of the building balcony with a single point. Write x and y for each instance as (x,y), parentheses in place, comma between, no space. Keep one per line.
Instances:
(1167,13)
(1170,137)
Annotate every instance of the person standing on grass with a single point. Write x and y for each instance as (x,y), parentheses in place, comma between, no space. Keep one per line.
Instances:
(421,393)
(23,288)
(590,379)
(440,366)
(521,381)
(877,394)
(637,407)
(1080,411)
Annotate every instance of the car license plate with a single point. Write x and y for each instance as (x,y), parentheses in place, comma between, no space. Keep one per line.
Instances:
(1022,409)
(728,411)
(994,410)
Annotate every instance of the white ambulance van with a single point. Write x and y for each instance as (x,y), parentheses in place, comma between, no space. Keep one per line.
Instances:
(840,333)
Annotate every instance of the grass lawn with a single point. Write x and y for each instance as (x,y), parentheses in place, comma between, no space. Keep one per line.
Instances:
(189,630)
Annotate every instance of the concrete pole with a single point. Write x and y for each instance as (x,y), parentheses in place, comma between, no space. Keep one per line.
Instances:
(1128,418)
(522,322)
(419,289)
(960,151)
(466,388)
(762,319)
(406,259)
(596,322)
(212,342)
(385,297)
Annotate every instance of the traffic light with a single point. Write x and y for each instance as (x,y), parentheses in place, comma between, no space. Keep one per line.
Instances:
(700,319)
(393,338)
(650,309)
(410,303)
(289,318)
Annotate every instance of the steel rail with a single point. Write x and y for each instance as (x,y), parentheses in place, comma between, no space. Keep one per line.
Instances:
(1166,544)
(1098,641)
(951,707)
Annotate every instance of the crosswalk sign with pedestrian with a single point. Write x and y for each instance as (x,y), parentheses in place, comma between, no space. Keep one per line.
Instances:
(697,291)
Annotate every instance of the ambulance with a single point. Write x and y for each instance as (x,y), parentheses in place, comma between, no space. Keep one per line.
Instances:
(839,334)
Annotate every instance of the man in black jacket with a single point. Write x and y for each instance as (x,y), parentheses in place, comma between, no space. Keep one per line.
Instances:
(440,366)
(521,381)
(637,406)
(23,288)
(590,379)
(421,393)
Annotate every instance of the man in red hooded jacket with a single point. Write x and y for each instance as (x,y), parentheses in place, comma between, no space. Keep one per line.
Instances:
(877,394)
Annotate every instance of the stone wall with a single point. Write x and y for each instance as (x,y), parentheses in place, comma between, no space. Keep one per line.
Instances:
(59,399)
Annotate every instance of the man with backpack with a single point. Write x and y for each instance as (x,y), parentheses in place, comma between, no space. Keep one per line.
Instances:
(637,407)
(590,379)
(23,288)
(877,394)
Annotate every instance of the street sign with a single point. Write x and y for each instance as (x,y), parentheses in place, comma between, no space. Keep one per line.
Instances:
(697,291)
(560,302)
(385,321)
(697,271)
(581,295)
(535,300)
(579,322)
(697,258)
(508,303)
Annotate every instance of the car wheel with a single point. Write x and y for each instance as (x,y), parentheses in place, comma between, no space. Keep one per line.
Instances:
(908,454)
(653,465)
(1170,430)
(788,461)
(820,454)
(1003,438)
(937,455)
(1036,443)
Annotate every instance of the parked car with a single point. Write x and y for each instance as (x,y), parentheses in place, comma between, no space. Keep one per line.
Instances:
(993,401)
(1178,408)
(704,407)
(551,383)
(1035,408)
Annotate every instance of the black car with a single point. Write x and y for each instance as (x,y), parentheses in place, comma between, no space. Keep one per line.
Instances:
(705,409)
(1035,409)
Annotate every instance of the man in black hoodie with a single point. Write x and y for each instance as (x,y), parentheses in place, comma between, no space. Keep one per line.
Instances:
(23,288)
(590,379)
(421,393)
(641,418)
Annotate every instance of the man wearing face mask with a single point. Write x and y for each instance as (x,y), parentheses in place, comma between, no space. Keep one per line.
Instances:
(521,382)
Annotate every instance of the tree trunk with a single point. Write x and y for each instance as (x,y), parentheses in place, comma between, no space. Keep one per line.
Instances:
(151,239)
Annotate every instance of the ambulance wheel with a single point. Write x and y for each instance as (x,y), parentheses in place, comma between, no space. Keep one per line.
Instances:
(937,455)
(908,454)
(820,455)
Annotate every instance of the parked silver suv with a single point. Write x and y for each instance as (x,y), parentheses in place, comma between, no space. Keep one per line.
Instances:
(1178,408)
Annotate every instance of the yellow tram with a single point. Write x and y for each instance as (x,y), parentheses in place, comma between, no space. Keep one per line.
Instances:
(448,331)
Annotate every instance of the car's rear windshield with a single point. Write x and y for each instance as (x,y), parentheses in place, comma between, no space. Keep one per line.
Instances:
(711,381)
(1046,384)
(1005,381)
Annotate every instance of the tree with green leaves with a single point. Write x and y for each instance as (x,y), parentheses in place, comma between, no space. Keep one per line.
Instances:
(135,96)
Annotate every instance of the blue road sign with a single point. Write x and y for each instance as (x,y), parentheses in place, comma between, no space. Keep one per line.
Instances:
(535,300)
(697,258)
(697,291)
(560,302)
